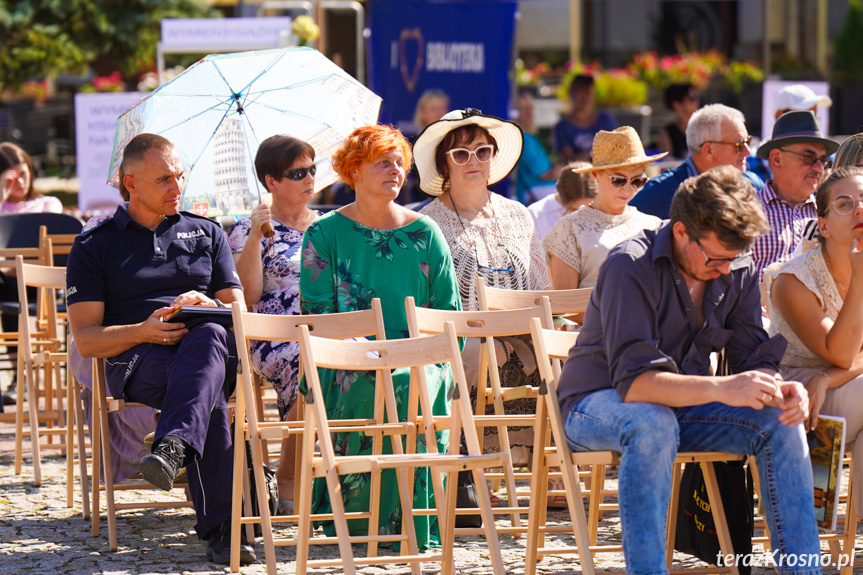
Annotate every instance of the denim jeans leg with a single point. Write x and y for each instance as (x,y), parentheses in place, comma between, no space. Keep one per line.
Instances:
(784,469)
(645,435)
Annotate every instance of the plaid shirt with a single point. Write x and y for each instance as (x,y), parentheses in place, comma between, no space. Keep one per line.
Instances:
(786,228)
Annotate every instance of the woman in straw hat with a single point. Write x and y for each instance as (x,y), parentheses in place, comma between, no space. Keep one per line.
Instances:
(579,242)
(458,158)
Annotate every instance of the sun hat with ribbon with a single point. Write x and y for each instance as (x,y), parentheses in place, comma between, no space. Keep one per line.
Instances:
(618,149)
(796,128)
(507,134)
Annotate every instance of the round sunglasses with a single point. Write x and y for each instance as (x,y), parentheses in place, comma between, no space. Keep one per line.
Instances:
(299,174)
(461,156)
(637,183)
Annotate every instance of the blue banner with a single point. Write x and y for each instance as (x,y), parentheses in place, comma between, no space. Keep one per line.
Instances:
(463,48)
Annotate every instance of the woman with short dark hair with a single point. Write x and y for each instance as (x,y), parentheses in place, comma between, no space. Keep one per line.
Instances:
(269,269)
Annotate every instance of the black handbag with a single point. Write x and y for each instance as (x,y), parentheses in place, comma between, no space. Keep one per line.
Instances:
(696,531)
(466,495)
(272,489)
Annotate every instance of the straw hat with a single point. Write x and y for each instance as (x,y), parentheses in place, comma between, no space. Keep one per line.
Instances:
(796,128)
(618,149)
(507,135)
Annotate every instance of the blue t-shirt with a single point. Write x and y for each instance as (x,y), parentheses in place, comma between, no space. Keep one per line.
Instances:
(533,163)
(581,139)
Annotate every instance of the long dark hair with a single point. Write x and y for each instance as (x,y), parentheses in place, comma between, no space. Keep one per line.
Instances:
(18,156)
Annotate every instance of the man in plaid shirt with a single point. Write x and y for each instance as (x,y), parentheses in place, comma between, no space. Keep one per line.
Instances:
(798,154)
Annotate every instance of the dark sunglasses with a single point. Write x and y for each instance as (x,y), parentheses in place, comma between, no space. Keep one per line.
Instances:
(719,262)
(810,159)
(637,183)
(299,174)
(737,145)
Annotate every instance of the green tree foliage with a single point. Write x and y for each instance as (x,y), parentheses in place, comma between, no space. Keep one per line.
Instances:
(45,37)
(849,46)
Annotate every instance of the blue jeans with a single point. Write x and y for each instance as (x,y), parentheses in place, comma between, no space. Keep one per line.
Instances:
(648,437)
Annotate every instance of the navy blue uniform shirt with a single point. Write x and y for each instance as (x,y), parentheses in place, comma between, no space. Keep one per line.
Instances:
(641,318)
(135,271)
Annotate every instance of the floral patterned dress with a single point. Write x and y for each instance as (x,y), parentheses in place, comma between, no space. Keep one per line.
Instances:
(277,362)
(345,266)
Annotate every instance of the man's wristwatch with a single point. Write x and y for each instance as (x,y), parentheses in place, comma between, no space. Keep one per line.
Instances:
(219,303)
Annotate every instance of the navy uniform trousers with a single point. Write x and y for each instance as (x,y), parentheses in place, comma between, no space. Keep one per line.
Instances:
(191,383)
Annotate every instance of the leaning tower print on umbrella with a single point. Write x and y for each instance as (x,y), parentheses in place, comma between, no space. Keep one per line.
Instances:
(218,111)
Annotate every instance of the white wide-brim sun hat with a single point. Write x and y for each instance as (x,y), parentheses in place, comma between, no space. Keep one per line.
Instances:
(507,134)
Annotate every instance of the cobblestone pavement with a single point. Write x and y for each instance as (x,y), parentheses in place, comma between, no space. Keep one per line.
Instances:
(39,535)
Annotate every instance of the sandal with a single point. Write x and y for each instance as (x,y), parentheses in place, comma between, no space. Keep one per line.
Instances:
(556,501)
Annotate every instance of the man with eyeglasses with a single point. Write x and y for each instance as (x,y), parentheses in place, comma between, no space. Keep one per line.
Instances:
(639,380)
(798,155)
(124,277)
(716,136)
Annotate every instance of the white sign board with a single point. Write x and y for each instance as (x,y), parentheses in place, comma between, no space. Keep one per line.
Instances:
(227,33)
(95,126)
(768,109)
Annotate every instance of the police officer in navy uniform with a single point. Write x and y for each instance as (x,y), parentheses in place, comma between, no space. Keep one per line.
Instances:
(124,276)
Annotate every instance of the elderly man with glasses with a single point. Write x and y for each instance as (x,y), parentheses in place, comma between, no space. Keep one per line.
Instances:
(798,155)
(716,136)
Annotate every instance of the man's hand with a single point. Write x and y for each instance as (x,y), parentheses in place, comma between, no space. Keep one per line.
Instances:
(192,298)
(156,330)
(794,403)
(753,389)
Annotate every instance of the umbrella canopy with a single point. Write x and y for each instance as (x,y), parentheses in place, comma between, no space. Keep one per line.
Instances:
(219,110)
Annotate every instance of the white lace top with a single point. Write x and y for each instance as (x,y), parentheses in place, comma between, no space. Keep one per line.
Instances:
(510,242)
(583,238)
(811,269)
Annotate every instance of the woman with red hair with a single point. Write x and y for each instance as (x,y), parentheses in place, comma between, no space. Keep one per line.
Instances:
(375,248)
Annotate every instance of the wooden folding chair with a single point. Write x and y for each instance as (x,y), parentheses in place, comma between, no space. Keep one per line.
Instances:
(40,358)
(552,347)
(562,301)
(103,404)
(487,325)
(382,357)
(250,326)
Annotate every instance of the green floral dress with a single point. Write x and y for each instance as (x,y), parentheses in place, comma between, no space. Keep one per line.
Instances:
(344,266)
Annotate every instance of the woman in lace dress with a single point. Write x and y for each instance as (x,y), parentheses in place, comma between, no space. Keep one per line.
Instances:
(489,236)
(269,269)
(816,301)
(579,242)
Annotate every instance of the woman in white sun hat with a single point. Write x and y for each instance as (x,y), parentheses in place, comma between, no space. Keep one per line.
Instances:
(458,158)
(579,242)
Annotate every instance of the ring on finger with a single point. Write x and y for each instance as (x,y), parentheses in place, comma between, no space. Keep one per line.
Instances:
(164,340)
(765,398)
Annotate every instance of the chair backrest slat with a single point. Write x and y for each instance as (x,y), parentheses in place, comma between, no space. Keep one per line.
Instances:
(369,355)
(496,323)
(566,301)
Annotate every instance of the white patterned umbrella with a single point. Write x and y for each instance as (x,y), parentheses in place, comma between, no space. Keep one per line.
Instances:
(219,110)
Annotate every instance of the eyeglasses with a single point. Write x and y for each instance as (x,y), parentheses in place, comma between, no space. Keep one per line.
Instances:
(810,159)
(739,146)
(489,269)
(637,183)
(299,174)
(844,205)
(461,156)
(719,262)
